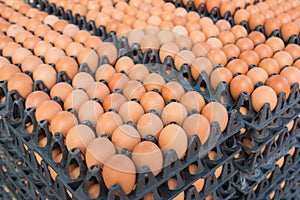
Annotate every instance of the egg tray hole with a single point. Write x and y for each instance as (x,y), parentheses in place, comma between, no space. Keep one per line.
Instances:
(273,151)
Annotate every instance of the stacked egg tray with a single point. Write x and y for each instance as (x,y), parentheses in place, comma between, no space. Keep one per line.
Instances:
(271,124)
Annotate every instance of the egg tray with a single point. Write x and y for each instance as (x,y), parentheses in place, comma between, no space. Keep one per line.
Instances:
(245,182)
(215,15)
(272,151)
(27,146)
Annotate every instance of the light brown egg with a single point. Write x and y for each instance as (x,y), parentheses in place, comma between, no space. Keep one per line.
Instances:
(20,82)
(283,58)
(61,90)
(239,84)
(297,64)
(217,56)
(47,110)
(59,25)
(82,80)
(14,29)
(67,64)
(98,151)
(200,49)
(41,30)
(8,71)
(90,57)
(216,112)
(201,64)
(172,185)
(138,72)
(257,74)
(31,41)
(45,73)
(118,81)
(192,100)
(21,36)
(70,30)
(210,31)
(149,123)
(237,66)
(75,99)
(119,169)
(10,48)
(256,20)
(239,31)
(152,101)
(62,41)
(168,49)
(20,54)
(108,122)
(93,42)
(223,25)
(73,49)
(197,36)
(124,64)
(63,122)
(53,55)
(270,65)
(131,111)
(81,36)
(231,51)
(292,74)
(42,48)
(134,90)
(145,153)
(5,40)
(113,101)
(197,124)
(149,42)
(275,43)
(250,57)
(154,81)
(172,90)
(51,36)
(226,37)
(279,84)
(257,37)
(219,75)
(214,43)
(241,15)
(244,44)
(263,51)
(3,61)
(50,20)
(97,90)
(125,136)
(262,95)
(90,111)
(105,72)
(109,50)
(35,98)
(79,136)
(173,137)
(293,50)
(168,116)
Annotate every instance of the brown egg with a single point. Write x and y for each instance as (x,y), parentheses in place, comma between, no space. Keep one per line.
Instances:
(200,49)
(75,99)
(214,43)
(81,36)
(79,136)
(45,73)
(197,36)
(125,136)
(293,50)
(270,65)
(82,80)
(275,43)
(216,112)
(118,81)
(145,153)
(20,82)
(192,100)
(20,54)
(219,75)
(210,31)
(73,49)
(63,122)
(168,116)
(168,49)
(98,151)
(257,74)
(8,71)
(173,137)
(197,124)
(199,184)
(201,64)
(149,123)
(131,111)
(149,42)
(283,58)
(50,20)
(241,15)
(138,72)
(257,37)
(113,101)
(47,110)
(231,51)
(90,57)
(152,101)
(53,55)
(97,90)
(279,84)
(172,90)
(134,90)
(154,81)
(256,20)
(262,95)
(109,50)
(237,66)
(226,37)
(172,185)
(10,48)
(108,122)
(31,41)
(244,44)
(105,72)
(70,30)
(42,48)
(217,56)
(250,57)
(4,40)
(35,98)
(21,36)
(263,51)
(51,36)
(62,41)
(239,84)
(119,169)
(41,30)
(292,74)
(59,25)
(239,31)
(93,42)
(67,64)
(13,30)
(3,61)
(124,63)
(61,90)
(90,111)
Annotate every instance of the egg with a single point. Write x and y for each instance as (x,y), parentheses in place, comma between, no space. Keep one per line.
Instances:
(168,116)
(14,29)
(262,95)
(35,98)
(109,50)
(168,49)
(244,44)
(45,73)
(283,58)
(42,48)
(279,84)
(131,111)
(149,42)
(61,90)
(292,74)
(82,80)
(3,61)
(107,123)
(20,54)
(216,112)
(173,137)
(113,101)
(241,15)
(8,71)
(275,43)
(217,56)
(201,64)
(231,51)
(81,36)
(263,51)
(192,101)
(199,184)
(270,65)
(51,36)
(118,81)
(239,31)
(97,90)
(63,122)
(50,20)
(256,20)
(154,81)
(67,64)
(226,37)
(239,84)
(172,90)
(257,74)
(250,57)
(119,169)
(21,36)
(53,55)
(172,185)
(30,63)
(47,110)
(79,136)
(223,25)
(93,42)
(237,66)
(20,82)
(200,49)
(75,99)
(59,25)
(149,123)
(105,72)
(293,50)
(70,30)
(125,136)
(124,64)
(10,48)
(219,75)
(98,151)
(134,90)
(90,111)
(90,57)
(138,72)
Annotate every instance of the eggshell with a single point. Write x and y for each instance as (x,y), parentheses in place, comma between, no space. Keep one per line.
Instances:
(184,42)
(46,73)
(275,43)
(239,31)
(152,101)
(75,99)
(61,90)
(98,151)
(97,90)
(105,72)
(193,100)
(63,122)
(8,71)
(257,74)
(148,154)
(125,136)
(79,136)
(118,81)
(216,112)
(90,57)
(200,49)
(14,29)
(293,50)
(237,66)
(53,55)
(113,101)
(10,48)
(154,81)
(119,169)
(42,48)
(91,111)
(262,95)
(173,137)
(3,61)
(47,110)
(62,41)
(21,83)
(279,84)
(30,63)
(134,90)
(201,64)
(51,36)
(82,80)
(270,65)
(241,15)
(257,37)
(70,30)
(250,57)
(226,37)
(131,111)
(263,51)
(172,90)
(20,54)
(168,114)
(219,75)
(81,36)
(168,49)
(108,122)
(239,84)
(292,74)
(244,44)
(149,123)
(109,50)
(138,72)
(231,51)
(35,98)
(93,42)
(217,56)
(283,58)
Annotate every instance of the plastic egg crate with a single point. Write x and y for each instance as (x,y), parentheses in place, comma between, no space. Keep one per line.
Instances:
(223,12)
(264,154)
(263,180)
